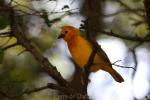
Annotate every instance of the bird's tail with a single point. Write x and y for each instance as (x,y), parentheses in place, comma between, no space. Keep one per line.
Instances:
(116,76)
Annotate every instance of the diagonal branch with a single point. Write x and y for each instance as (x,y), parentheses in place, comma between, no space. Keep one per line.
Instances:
(10,46)
(22,40)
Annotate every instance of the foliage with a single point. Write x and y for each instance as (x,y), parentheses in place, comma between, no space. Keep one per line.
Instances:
(4,20)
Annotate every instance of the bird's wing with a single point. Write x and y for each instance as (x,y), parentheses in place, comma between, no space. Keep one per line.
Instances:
(100,52)
(103,55)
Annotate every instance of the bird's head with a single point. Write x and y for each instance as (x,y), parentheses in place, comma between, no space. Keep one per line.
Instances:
(68,33)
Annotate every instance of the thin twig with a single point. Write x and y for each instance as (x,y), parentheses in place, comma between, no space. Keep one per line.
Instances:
(138,39)
(116,61)
(53,12)
(48,86)
(60,88)
(124,66)
(24,50)
(123,11)
(4,33)
(135,61)
(10,46)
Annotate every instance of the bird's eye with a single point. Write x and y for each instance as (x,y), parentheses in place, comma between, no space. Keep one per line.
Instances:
(66,31)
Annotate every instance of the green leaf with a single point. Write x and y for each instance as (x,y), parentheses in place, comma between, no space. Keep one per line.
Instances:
(45,17)
(1,55)
(3,20)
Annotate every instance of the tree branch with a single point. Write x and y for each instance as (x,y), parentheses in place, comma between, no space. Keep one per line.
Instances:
(138,39)
(87,68)
(22,40)
(147,9)
(10,46)
(5,33)
(49,86)
(65,90)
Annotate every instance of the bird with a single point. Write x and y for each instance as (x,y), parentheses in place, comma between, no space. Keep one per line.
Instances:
(80,49)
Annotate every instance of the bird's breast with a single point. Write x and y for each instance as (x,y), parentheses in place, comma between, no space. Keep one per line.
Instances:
(80,51)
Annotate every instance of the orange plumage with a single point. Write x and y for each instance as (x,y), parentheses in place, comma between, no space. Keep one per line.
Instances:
(80,49)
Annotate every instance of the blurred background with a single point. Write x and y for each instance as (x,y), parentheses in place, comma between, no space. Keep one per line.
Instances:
(42,20)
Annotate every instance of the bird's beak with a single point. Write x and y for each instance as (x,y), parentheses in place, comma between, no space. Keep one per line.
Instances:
(61,36)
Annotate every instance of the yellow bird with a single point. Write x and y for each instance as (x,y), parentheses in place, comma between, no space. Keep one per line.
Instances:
(80,49)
